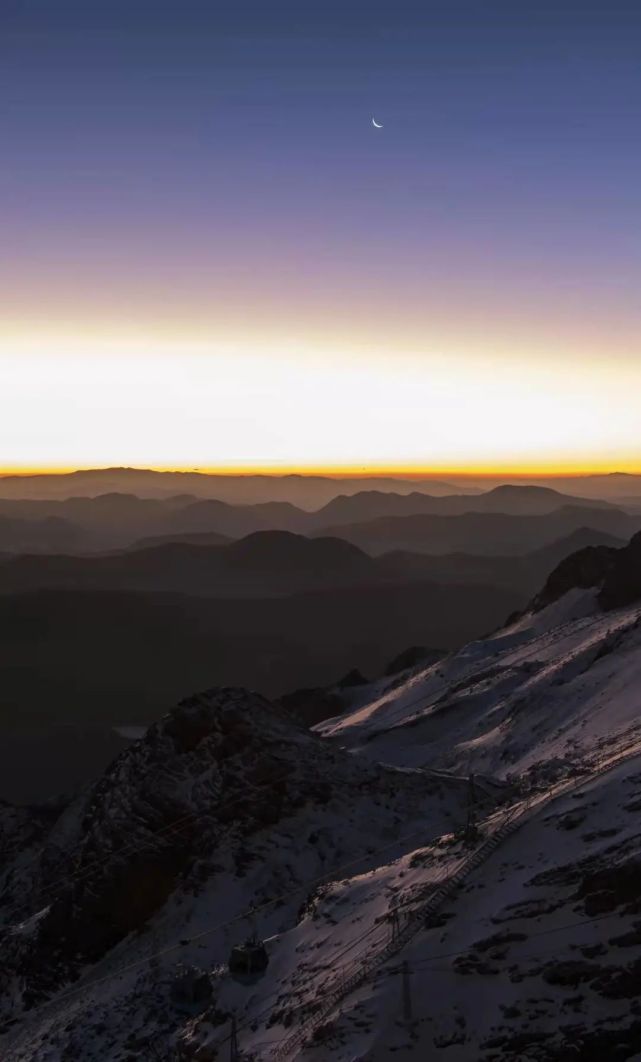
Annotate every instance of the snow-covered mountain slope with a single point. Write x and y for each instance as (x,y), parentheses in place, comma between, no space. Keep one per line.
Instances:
(542,690)
(407,911)
(537,956)
(223,805)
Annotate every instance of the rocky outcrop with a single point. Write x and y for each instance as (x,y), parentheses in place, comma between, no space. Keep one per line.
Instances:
(616,573)
(622,582)
(313,705)
(178,813)
(416,654)
(582,570)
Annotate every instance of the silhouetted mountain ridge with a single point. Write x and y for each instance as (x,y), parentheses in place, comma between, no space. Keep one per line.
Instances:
(263,563)
(279,562)
(307,491)
(116,520)
(509,499)
(43,535)
(482,533)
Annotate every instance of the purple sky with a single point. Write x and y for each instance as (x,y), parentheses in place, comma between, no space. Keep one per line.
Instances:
(210,171)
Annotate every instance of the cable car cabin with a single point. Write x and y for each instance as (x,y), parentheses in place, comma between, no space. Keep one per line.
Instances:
(248,958)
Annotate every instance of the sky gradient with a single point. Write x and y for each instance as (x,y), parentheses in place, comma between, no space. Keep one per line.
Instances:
(211,258)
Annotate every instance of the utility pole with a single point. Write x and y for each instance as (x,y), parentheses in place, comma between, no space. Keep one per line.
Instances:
(406,993)
(234,1053)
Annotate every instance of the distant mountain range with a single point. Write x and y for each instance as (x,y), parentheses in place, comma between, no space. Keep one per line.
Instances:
(632,505)
(278,563)
(116,521)
(186,538)
(488,533)
(524,573)
(306,491)
(518,501)
(614,486)
(266,563)
(46,534)
(310,492)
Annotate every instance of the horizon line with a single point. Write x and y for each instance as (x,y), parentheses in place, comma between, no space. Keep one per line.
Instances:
(417,472)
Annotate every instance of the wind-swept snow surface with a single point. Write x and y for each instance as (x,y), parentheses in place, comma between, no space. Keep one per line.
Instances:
(543,690)
(407,909)
(537,956)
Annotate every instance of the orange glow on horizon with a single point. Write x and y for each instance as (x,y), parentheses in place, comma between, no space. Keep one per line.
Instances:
(417,472)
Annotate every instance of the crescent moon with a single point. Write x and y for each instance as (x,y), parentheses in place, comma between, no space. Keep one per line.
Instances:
(376,124)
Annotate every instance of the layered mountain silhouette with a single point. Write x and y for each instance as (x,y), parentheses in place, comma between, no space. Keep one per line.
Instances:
(119,520)
(517,501)
(187,538)
(116,521)
(276,563)
(614,486)
(304,490)
(486,533)
(307,491)
(525,572)
(48,534)
(264,563)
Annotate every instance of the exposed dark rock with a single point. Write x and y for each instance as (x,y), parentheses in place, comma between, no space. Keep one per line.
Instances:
(416,654)
(608,888)
(499,940)
(352,678)
(582,570)
(622,583)
(616,573)
(620,983)
(311,706)
(573,1044)
(571,821)
(474,964)
(191,987)
(21,827)
(571,972)
(630,939)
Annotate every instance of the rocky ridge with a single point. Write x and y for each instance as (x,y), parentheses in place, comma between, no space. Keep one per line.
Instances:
(209,808)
